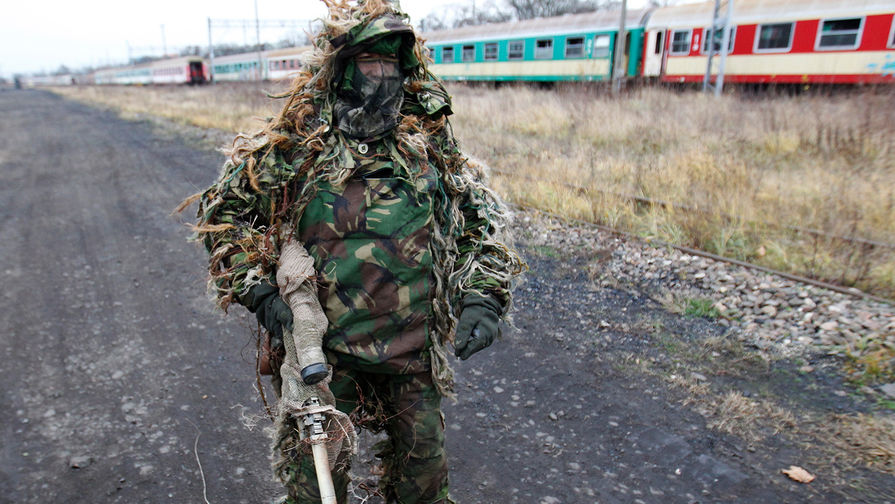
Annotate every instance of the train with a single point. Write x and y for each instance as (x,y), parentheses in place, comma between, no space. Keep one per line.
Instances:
(579,47)
(184,70)
(770,42)
(273,64)
(776,41)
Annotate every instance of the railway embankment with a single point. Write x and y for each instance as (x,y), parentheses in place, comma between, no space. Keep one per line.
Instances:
(775,315)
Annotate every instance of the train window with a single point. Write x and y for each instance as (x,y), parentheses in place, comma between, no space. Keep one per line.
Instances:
(718,37)
(658,48)
(601,46)
(892,35)
(491,51)
(680,41)
(468,53)
(575,47)
(516,50)
(775,37)
(840,33)
(544,49)
(447,54)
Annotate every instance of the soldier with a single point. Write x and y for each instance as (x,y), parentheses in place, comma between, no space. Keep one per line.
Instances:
(361,167)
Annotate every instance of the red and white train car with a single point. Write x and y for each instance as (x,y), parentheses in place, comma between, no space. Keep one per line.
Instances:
(284,63)
(185,70)
(777,41)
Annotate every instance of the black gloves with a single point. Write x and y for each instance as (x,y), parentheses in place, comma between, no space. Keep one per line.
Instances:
(271,311)
(477,327)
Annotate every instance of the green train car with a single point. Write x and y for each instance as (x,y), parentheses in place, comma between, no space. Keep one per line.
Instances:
(576,47)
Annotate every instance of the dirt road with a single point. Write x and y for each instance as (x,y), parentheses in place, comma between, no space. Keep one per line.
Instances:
(119,374)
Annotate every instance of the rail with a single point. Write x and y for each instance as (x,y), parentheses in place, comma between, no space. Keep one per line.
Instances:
(850,291)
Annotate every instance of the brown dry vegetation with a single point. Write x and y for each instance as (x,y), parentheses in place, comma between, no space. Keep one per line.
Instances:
(752,167)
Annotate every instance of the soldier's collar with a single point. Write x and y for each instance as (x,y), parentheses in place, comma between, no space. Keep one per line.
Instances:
(371,147)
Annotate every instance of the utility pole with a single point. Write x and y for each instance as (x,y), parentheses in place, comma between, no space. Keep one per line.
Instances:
(619,66)
(210,55)
(164,43)
(722,50)
(261,71)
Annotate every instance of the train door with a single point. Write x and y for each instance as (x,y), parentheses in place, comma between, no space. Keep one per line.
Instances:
(653,53)
(197,73)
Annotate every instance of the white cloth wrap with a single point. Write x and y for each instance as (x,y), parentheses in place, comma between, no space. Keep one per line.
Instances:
(304,345)
(298,288)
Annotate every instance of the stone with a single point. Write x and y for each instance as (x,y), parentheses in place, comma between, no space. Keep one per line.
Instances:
(79,462)
(888,389)
(829,326)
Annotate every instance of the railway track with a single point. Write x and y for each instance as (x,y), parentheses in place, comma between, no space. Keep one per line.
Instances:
(851,291)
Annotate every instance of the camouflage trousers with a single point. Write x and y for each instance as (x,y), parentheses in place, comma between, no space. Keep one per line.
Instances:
(408,409)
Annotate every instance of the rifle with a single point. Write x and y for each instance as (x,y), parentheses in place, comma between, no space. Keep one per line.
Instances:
(302,390)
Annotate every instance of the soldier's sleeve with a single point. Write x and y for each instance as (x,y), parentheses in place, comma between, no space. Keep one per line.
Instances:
(491,265)
(236,224)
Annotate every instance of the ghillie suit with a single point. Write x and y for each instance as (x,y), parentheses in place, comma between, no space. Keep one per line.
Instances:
(399,223)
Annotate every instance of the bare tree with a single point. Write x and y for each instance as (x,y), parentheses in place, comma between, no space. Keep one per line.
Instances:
(466,14)
(433,22)
(476,12)
(488,12)
(528,9)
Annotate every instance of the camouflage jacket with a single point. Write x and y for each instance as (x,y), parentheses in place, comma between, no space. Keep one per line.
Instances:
(372,239)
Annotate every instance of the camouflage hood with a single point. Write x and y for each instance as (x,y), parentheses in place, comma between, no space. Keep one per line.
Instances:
(350,30)
(272,176)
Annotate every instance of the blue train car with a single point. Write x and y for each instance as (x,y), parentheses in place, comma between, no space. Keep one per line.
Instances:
(575,47)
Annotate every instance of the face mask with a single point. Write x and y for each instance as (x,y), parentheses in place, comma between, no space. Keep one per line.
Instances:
(370,100)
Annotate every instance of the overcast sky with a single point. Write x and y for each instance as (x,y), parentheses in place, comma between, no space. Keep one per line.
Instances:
(42,35)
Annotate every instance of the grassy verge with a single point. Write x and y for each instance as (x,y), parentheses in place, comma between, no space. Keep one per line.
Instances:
(753,168)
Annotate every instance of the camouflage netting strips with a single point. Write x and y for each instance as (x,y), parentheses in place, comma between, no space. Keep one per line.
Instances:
(271,176)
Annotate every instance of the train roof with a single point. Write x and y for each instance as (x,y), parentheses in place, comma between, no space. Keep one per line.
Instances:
(253,55)
(761,11)
(288,51)
(177,60)
(557,25)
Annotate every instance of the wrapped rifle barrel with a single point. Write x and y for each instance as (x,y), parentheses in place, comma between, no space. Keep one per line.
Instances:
(305,396)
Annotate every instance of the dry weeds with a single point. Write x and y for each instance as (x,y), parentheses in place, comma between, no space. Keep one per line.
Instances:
(751,167)
(865,440)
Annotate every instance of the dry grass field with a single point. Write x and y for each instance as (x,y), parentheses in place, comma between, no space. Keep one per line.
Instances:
(740,172)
